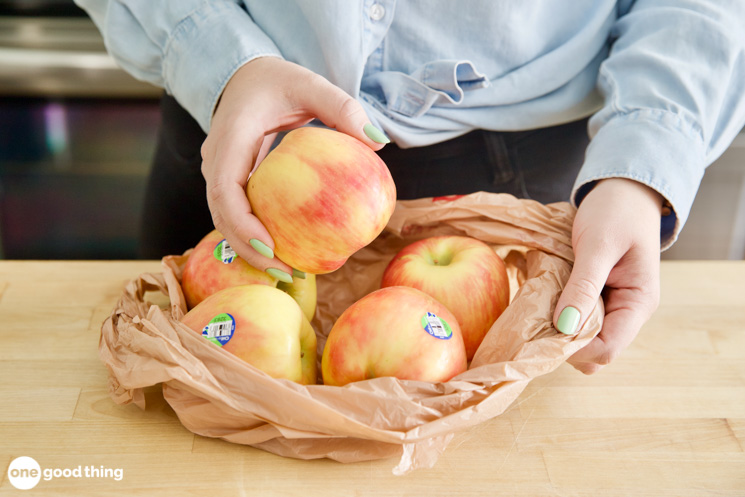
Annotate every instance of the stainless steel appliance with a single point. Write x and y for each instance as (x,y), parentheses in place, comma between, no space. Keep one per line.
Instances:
(76,137)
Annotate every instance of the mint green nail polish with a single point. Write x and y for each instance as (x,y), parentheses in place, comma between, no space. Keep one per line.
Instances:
(298,274)
(279,274)
(375,134)
(262,248)
(568,321)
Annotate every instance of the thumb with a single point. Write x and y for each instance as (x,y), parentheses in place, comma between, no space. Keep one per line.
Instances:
(336,109)
(583,289)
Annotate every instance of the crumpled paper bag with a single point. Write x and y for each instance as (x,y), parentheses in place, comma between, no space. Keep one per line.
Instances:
(215,394)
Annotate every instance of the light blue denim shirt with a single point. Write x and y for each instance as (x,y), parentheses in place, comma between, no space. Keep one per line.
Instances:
(663,79)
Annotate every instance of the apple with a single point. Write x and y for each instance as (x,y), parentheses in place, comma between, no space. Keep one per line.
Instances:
(214,266)
(261,325)
(463,273)
(322,195)
(304,292)
(395,331)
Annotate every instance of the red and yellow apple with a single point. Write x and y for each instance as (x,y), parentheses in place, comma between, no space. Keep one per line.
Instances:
(213,266)
(261,325)
(322,195)
(463,273)
(396,331)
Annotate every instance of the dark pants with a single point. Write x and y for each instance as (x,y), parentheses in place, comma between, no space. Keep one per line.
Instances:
(537,164)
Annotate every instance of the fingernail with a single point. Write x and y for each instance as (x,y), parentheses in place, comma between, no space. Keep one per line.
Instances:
(279,274)
(262,248)
(568,321)
(298,274)
(375,134)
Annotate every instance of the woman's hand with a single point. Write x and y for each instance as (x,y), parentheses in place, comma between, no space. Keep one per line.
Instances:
(616,240)
(263,97)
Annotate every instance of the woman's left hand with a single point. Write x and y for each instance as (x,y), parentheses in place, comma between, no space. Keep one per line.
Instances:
(616,241)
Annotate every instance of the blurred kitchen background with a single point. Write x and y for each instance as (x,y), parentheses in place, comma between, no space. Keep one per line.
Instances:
(76,137)
(77,134)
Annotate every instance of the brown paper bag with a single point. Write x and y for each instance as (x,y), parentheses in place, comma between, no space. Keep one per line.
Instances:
(216,394)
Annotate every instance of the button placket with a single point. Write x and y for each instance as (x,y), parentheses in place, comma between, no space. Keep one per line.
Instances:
(377,17)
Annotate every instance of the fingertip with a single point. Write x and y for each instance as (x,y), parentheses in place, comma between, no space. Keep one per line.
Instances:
(375,147)
(587,368)
(260,260)
(279,274)
(568,320)
(375,134)
(262,248)
(337,110)
(579,297)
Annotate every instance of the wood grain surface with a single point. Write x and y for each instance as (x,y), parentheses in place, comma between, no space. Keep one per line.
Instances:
(665,419)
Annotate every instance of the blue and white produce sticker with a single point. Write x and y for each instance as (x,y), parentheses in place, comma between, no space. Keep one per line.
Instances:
(224,252)
(220,329)
(436,326)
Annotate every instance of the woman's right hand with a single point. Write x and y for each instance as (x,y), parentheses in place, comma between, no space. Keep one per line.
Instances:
(265,96)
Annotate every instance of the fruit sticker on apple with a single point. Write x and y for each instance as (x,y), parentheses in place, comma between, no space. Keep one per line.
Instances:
(436,326)
(220,329)
(463,273)
(224,252)
(396,331)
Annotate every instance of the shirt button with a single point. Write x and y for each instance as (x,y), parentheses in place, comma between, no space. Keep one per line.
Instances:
(376,12)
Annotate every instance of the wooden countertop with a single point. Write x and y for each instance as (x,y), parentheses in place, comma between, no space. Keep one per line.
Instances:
(666,419)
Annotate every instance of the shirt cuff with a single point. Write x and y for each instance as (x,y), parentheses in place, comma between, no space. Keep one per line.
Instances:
(654,148)
(204,52)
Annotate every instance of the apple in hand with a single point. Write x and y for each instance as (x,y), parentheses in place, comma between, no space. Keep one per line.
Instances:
(396,331)
(322,195)
(214,266)
(261,325)
(463,273)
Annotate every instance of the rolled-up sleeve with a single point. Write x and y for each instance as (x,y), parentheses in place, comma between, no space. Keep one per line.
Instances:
(191,48)
(674,89)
